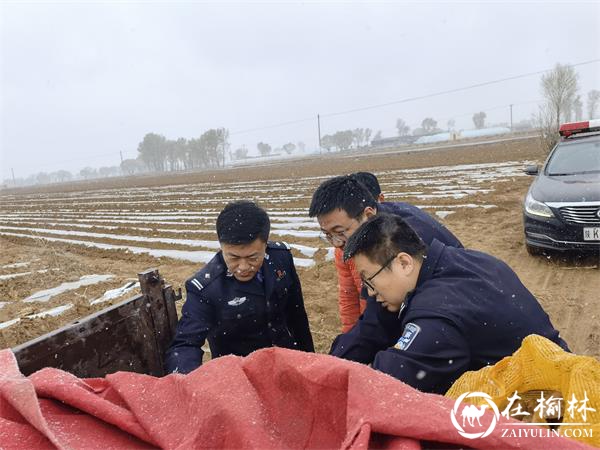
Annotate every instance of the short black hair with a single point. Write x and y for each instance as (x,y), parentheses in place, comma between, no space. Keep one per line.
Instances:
(242,222)
(382,237)
(343,192)
(370,181)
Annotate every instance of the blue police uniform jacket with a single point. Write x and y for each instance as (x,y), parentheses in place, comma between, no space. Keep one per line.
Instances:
(240,317)
(468,310)
(426,227)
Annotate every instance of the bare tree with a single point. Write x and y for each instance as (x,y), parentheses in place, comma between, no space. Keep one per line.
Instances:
(170,155)
(152,151)
(451,124)
(88,172)
(197,153)
(43,178)
(578,108)
(264,149)
(131,166)
(182,154)
(358,135)
(63,175)
(104,172)
(327,142)
(367,135)
(343,139)
(289,148)
(592,102)
(559,88)
(429,125)
(213,144)
(403,129)
(241,153)
(222,146)
(544,121)
(479,119)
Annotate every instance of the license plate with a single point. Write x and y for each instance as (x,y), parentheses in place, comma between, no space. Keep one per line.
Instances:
(591,234)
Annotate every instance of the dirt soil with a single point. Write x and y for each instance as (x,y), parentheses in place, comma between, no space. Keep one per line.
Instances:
(566,285)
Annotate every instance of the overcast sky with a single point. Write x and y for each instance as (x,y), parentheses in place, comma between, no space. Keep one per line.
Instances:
(81,82)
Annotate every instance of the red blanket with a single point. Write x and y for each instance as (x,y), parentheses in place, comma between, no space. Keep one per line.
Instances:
(274,398)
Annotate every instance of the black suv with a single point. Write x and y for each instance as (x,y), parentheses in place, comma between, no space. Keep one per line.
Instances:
(562,207)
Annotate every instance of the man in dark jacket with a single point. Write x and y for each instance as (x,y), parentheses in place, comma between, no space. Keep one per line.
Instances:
(340,205)
(246,298)
(434,312)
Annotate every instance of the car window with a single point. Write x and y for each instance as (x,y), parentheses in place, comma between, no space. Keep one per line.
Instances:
(571,158)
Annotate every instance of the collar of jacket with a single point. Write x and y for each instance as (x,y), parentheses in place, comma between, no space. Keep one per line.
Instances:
(430,260)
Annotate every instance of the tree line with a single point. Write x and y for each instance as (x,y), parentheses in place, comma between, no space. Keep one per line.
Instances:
(156,153)
(160,154)
(430,126)
(347,139)
(562,102)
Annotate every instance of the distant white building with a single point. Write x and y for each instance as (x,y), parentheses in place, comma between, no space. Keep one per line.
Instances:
(468,134)
(393,141)
(464,134)
(438,137)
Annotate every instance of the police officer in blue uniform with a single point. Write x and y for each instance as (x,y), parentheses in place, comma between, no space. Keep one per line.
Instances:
(426,227)
(434,312)
(342,203)
(246,298)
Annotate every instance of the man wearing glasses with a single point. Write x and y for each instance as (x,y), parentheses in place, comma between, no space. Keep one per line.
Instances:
(246,298)
(341,204)
(439,311)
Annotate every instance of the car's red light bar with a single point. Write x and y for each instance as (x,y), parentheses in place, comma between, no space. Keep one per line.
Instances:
(568,129)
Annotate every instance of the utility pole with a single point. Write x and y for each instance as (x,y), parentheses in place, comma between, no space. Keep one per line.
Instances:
(121,153)
(319,127)
(511,120)
(13,174)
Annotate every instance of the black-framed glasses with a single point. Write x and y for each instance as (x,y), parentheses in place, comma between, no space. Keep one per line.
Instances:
(339,236)
(367,281)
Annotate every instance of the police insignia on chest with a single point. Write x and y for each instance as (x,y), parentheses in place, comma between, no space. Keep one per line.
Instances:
(237,301)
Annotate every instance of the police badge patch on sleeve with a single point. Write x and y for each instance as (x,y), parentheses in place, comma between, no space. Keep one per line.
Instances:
(408,336)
